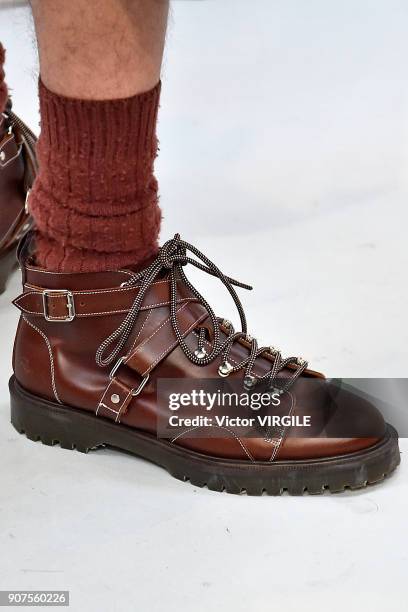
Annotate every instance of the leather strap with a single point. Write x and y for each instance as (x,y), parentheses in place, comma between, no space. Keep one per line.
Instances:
(15,232)
(153,349)
(115,400)
(144,358)
(9,150)
(58,304)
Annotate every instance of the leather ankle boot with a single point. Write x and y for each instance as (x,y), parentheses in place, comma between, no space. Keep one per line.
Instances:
(17,171)
(92,350)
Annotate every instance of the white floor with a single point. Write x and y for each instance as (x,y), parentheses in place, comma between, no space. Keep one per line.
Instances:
(284,155)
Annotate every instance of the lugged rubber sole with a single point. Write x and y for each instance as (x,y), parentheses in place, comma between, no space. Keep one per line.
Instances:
(53,423)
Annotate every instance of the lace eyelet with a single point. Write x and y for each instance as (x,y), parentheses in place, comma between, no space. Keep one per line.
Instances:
(200,353)
(249,382)
(225,369)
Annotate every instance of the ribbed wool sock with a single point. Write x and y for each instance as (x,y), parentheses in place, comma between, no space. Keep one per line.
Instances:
(95,201)
(3,86)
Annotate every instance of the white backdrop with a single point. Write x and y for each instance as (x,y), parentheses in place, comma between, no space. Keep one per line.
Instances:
(284,146)
(284,156)
(284,153)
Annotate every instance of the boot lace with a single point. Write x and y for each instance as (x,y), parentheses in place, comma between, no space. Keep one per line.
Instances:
(173,256)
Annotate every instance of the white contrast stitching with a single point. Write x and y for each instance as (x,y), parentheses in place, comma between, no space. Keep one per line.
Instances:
(23,295)
(276,442)
(279,442)
(101,312)
(172,345)
(95,292)
(102,405)
(140,330)
(103,397)
(54,388)
(40,271)
(125,272)
(143,308)
(155,332)
(244,448)
(5,142)
(124,403)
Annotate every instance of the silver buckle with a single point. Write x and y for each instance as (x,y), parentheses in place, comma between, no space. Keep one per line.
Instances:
(70,305)
(116,367)
(140,388)
(136,390)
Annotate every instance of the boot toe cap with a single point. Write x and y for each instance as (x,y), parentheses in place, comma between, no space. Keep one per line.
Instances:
(343,422)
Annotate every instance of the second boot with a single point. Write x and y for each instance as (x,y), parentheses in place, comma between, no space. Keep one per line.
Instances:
(18,168)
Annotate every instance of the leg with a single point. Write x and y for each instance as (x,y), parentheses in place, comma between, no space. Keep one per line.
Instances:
(103,49)
(95,200)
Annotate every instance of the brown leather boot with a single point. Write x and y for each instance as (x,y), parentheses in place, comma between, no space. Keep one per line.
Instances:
(92,349)
(17,171)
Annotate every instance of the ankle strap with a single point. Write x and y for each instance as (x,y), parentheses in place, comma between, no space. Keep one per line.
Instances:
(64,305)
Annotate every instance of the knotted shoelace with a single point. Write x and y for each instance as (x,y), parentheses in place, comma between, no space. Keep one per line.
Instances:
(173,256)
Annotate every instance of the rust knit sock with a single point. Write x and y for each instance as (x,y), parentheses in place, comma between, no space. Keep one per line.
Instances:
(3,86)
(95,202)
